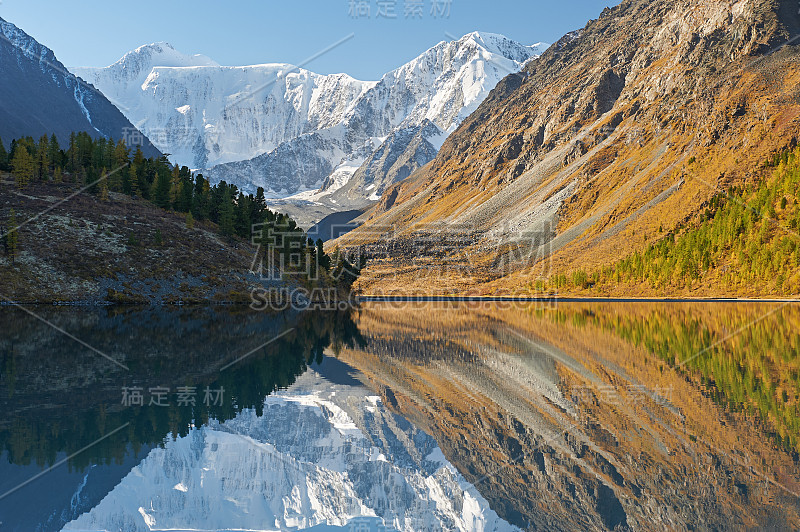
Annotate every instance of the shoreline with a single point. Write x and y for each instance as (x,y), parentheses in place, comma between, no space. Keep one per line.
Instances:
(556,299)
(405,299)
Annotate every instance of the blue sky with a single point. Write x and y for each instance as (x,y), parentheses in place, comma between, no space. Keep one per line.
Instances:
(239,32)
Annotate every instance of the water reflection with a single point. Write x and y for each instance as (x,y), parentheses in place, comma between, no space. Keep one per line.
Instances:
(414,417)
(602,415)
(325,454)
(70,401)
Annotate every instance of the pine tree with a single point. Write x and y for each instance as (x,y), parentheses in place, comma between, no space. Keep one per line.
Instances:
(243,224)
(183,201)
(4,166)
(322,258)
(54,155)
(58,175)
(260,204)
(42,162)
(108,154)
(72,153)
(226,213)
(22,165)
(174,185)
(121,155)
(138,157)
(189,221)
(201,199)
(115,179)
(103,190)
(136,172)
(12,237)
(161,190)
(130,181)
(117,156)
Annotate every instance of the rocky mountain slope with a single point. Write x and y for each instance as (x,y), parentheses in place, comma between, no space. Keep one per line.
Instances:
(403,152)
(272,123)
(616,137)
(38,96)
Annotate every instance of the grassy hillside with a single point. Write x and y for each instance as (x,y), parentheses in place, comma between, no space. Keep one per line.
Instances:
(746,241)
(121,250)
(146,232)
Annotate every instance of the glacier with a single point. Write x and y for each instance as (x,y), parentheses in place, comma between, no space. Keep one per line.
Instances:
(287,129)
(325,455)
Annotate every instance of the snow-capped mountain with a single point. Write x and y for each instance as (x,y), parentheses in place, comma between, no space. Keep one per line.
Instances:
(323,455)
(288,129)
(205,114)
(40,97)
(444,85)
(135,66)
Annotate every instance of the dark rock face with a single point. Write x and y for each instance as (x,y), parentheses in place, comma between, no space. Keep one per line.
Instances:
(294,165)
(401,154)
(38,96)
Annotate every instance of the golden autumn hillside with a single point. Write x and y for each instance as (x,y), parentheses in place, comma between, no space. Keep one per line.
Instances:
(604,166)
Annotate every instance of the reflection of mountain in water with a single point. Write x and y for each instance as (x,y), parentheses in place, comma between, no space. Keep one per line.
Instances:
(586,416)
(569,425)
(323,452)
(58,496)
(57,396)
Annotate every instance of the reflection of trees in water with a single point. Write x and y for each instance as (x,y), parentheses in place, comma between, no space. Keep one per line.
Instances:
(58,397)
(756,370)
(602,460)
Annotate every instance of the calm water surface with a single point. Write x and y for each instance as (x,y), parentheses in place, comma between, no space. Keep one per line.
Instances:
(413,416)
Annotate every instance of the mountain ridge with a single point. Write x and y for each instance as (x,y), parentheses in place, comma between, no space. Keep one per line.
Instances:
(39,96)
(616,137)
(278,116)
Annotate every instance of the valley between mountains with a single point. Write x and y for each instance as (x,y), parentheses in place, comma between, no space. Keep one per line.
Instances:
(653,152)
(505,286)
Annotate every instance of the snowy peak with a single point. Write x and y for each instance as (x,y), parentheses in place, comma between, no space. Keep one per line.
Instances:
(444,84)
(286,128)
(159,54)
(137,64)
(25,44)
(502,45)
